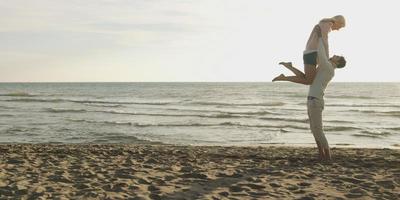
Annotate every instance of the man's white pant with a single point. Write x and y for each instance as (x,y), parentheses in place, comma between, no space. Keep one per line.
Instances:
(315,107)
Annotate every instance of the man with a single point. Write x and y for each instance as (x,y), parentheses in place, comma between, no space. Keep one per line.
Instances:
(315,104)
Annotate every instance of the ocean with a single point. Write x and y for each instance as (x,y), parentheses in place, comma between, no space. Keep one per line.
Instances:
(251,114)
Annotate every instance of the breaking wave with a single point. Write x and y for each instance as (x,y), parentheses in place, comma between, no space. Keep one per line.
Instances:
(226,124)
(65,110)
(208,103)
(18,94)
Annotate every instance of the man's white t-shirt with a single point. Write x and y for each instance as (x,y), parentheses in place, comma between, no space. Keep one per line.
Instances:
(325,73)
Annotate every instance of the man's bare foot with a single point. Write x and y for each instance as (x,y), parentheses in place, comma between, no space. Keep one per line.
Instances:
(281,77)
(326,160)
(328,156)
(286,64)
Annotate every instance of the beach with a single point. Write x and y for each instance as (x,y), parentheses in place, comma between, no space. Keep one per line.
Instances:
(156,171)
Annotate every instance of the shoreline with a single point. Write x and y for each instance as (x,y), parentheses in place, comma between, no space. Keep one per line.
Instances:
(262,145)
(162,171)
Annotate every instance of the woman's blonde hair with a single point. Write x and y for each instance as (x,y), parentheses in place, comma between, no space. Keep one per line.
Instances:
(336,19)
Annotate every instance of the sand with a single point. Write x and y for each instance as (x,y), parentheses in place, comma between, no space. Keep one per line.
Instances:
(45,171)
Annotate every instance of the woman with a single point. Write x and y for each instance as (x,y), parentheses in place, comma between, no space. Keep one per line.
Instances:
(310,53)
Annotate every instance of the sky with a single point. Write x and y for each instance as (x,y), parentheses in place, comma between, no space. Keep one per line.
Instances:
(189,40)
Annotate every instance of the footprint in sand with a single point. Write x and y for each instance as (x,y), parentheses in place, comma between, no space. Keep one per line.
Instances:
(253,186)
(236,188)
(275,185)
(387,184)
(225,194)
(304,184)
(169,178)
(293,187)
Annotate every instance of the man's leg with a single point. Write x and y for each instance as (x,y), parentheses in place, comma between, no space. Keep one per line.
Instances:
(315,108)
(327,152)
(320,151)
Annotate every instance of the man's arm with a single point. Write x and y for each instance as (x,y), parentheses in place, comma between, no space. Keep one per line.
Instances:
(322,57)
(325,28)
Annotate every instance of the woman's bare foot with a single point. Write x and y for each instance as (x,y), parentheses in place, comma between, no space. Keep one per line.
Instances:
(286,64)
(281,77)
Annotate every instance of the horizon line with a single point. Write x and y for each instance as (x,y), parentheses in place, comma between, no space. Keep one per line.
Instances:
(184,82)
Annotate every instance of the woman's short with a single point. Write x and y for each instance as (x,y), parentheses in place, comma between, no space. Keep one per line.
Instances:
(310,58)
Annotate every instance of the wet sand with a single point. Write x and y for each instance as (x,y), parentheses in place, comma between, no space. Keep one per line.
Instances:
(185,172)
